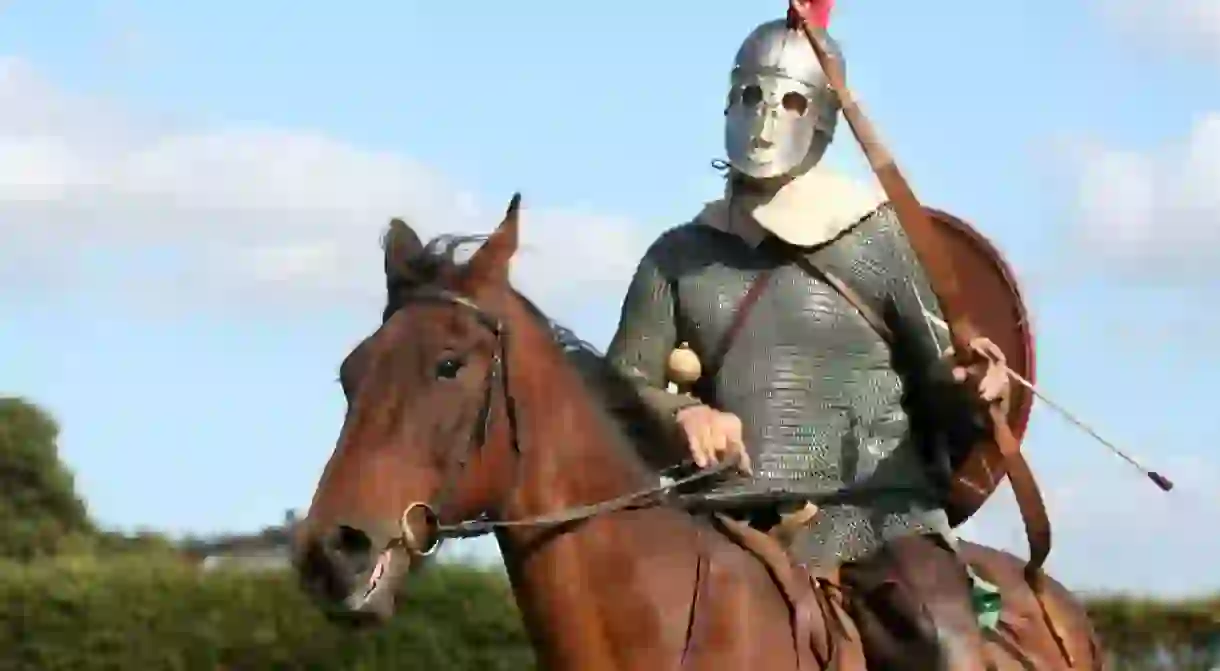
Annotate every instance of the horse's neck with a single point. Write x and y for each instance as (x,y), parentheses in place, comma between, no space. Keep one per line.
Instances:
(574,452)
(570,578)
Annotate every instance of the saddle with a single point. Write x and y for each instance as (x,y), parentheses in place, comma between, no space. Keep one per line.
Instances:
(823,634)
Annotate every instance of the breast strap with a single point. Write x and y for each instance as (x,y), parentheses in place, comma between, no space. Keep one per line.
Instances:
(758,287)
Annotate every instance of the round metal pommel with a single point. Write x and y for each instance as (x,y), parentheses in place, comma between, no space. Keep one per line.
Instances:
(683,366)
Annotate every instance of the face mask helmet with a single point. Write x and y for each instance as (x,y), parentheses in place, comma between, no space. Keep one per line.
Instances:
(781,112)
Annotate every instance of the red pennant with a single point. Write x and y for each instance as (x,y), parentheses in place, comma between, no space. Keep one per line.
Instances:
(815,12)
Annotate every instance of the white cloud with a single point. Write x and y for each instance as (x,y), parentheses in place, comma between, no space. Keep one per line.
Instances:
(243,215)
(1187,26)
(1164,205)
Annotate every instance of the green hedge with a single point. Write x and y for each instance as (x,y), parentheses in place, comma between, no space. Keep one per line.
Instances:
(1145,633)
(136,614)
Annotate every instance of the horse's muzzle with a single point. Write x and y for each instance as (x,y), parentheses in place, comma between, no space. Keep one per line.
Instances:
(349,575)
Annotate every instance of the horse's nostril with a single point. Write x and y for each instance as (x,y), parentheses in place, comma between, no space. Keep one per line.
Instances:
(353,541)
(352,546)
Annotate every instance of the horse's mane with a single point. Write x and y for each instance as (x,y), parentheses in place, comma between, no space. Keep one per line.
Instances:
(438,261)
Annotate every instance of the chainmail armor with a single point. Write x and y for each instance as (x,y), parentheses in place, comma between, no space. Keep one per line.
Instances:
(826,405)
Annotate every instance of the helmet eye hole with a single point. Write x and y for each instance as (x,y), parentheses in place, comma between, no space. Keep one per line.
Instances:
(795,103)
(751,95)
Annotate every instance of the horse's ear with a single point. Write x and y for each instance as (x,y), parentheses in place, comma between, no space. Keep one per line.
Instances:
(402,245)
(490,263)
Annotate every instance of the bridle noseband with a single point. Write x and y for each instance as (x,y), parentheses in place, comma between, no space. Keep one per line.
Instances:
(485,523)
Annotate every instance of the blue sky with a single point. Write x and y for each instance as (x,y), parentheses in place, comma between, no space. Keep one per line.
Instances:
(196,386)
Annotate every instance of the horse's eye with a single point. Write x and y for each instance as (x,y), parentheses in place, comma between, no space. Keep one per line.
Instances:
(448,368)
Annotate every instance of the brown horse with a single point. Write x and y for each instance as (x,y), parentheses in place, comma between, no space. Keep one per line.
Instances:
(467,415)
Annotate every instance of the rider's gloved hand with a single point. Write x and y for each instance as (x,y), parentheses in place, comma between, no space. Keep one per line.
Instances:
(712,436)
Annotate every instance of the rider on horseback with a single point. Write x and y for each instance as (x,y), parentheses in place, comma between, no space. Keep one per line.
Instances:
(800,294)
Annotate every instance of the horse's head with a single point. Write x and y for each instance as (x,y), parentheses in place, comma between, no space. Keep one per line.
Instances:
(427,437)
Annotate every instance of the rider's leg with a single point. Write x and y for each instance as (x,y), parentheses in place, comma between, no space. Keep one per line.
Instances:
(912,602)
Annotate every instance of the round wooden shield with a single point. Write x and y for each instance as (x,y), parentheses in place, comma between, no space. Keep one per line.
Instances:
(994,302)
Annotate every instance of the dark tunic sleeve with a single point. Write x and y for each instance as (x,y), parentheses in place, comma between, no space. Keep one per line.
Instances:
(647,333)
(950,408)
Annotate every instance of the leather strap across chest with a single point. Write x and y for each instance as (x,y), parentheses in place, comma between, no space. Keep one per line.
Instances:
(762,281)
(850,295)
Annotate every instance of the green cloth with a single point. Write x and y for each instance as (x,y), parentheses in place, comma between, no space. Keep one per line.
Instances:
(986,600)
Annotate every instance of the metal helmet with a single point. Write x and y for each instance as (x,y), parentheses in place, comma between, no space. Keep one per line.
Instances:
(781,111)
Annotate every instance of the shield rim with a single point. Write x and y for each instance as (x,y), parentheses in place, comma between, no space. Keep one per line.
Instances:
(967,498)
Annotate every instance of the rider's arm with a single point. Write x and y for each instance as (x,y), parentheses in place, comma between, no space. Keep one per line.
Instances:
(646,334)
(922,342)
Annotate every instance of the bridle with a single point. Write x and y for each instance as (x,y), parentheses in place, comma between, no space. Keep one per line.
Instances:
(497,378)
